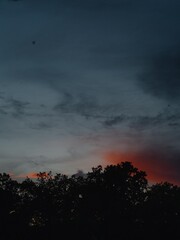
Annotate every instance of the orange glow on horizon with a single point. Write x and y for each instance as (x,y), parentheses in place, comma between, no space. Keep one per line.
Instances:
(152,164)
(29,175)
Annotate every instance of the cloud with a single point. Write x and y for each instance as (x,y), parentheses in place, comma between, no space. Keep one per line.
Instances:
(20,166)
(114,120)
(42,126)
(18,107)
(13,106)
(51,76)
(1,95)
(81,104)
(162,77)
(168,117)
(2,111)
(80,173)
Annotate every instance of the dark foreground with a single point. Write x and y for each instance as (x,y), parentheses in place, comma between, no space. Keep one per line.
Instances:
(105,204)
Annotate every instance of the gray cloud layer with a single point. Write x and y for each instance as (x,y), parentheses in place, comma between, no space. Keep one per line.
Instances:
(99,65)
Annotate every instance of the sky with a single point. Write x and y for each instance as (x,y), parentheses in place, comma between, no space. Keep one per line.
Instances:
(90,82)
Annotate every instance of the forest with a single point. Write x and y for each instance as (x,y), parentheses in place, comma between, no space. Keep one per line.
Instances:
(111,203)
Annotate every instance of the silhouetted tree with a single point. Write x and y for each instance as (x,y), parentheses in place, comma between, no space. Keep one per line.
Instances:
(111,203)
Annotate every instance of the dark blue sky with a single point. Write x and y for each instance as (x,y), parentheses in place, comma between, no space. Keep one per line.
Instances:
(101,77)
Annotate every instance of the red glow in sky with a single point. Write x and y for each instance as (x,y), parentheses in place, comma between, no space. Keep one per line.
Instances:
(31,175)
(156,169)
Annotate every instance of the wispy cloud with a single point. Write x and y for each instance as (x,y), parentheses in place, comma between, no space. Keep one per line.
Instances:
(42,126)
(83,105)
(18,107)
(114,120)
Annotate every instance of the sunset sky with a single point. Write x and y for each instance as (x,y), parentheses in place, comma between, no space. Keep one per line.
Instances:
(89,82)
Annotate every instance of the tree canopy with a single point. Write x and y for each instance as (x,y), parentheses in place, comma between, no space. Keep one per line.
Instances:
(111,203)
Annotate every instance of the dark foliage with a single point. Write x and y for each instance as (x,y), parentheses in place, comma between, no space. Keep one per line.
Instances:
(105,204)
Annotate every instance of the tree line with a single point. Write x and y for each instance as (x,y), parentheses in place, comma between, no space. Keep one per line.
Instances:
(113,203)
